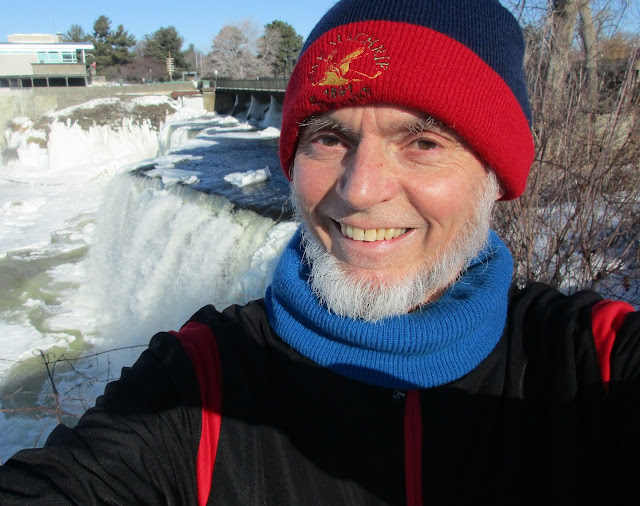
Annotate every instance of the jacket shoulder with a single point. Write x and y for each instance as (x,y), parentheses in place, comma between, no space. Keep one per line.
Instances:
(551,334)
(609,328)
(240,326)
(250,317)
(540,300)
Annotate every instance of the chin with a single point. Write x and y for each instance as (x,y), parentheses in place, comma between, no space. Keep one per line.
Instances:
(376,277)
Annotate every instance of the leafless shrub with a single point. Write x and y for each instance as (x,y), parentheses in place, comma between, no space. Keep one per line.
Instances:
(578,224)
(58,388)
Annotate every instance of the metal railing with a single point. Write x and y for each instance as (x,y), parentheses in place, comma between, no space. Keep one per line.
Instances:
(273,85)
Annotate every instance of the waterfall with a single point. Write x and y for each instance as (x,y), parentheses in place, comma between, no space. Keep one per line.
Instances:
(161,253)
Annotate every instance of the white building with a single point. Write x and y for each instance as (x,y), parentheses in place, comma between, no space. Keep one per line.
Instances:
(42,60)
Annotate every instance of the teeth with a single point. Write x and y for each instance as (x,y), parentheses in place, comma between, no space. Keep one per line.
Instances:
(372,234)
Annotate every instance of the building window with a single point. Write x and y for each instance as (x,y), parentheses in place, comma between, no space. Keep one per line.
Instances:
(48,57)
(57,57)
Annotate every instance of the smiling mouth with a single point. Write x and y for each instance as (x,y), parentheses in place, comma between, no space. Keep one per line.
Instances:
(371,234)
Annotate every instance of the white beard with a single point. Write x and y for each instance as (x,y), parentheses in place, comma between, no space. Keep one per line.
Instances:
(357,296)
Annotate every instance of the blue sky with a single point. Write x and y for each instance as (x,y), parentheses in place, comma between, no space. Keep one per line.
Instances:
(197,21)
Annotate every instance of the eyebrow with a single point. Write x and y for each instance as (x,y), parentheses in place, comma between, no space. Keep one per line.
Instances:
(325,122)
(420,125)
(317,123)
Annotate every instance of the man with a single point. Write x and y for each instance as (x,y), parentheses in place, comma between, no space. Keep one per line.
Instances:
(390,362)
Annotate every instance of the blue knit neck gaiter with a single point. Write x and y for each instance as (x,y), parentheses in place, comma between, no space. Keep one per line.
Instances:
(435,345)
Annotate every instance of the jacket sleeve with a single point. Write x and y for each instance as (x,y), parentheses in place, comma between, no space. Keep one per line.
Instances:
(138,445)
(623,458)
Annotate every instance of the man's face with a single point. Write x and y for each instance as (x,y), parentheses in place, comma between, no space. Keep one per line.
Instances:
(385,190)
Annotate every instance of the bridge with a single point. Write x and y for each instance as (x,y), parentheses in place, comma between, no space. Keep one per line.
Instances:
(258,98)
(257,85)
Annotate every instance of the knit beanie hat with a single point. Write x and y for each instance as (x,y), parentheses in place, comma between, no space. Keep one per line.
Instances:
(459,61)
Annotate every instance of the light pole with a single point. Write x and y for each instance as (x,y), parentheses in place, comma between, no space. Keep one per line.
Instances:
(289,65)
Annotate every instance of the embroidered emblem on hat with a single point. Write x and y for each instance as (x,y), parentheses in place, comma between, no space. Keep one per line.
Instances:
(347,60)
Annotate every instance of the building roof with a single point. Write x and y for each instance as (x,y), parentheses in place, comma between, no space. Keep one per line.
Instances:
(34,37)
(32,42)
(34,46)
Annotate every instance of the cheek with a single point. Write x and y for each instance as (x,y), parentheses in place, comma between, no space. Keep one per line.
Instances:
(445,200)
(311,183)
(303,189)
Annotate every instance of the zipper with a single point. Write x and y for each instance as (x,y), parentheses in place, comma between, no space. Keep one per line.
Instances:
(413,448)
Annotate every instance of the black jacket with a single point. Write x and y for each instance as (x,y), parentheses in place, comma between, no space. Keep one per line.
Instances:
(241,418)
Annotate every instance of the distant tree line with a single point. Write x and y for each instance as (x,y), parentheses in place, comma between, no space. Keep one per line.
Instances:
(237,51)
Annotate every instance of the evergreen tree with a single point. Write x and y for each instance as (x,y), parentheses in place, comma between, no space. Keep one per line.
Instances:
(75,34)
(111,47)
(160,43)
(280,46)
(122,44)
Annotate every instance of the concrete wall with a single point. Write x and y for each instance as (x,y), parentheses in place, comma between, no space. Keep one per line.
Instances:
(34,102)
(61,69)
(209,100)
(17,64)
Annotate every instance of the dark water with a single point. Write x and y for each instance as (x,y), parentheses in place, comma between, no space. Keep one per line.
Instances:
(269,198)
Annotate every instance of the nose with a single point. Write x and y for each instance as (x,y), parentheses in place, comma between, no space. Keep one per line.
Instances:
(367,179)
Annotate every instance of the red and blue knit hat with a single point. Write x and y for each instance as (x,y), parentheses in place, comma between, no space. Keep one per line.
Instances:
(460,61)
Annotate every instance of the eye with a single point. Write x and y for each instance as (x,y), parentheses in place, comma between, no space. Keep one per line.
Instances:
(327,140)
(322,144)
(425,144)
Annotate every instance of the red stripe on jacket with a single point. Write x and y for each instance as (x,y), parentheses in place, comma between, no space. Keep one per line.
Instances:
(200,344)
(607,317)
